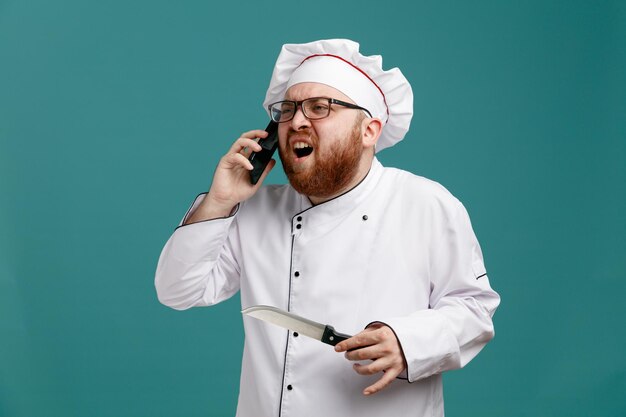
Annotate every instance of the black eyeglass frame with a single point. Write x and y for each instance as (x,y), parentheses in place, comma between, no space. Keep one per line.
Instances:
(299,104)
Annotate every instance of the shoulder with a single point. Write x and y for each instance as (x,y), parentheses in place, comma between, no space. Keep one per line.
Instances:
(417,190)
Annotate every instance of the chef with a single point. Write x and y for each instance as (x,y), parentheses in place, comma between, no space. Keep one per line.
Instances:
(377,252)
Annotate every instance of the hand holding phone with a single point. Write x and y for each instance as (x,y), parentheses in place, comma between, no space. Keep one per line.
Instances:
(260,159)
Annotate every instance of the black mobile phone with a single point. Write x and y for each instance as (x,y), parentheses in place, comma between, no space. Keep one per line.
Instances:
(260,159)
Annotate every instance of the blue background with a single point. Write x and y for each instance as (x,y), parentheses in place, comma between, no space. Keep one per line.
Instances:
(113,115)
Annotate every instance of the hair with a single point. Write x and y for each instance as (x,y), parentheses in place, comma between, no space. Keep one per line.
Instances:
(361,115)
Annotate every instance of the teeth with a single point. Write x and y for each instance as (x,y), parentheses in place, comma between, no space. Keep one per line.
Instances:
(301,145)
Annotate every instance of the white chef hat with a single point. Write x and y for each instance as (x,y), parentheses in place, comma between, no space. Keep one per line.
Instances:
(337,63)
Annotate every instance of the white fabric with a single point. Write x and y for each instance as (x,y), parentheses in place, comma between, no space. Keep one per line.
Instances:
(395,111)
(338,74)
(413,263)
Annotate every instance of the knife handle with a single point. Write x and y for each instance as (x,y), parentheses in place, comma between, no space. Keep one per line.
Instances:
(332,337)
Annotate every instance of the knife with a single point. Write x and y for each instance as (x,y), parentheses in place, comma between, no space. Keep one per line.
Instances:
(322,332)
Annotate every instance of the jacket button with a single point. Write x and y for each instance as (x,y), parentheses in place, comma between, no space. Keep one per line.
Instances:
(298,226)
(295,334)
(364,217)
(296,274)
(299,218)
(289,387)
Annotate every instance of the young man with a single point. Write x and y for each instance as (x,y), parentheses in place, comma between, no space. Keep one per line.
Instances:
(377,252)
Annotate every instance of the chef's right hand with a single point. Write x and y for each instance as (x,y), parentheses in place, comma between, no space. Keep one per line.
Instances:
(231,182)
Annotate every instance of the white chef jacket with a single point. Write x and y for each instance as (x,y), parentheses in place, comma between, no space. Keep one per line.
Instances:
(397,249)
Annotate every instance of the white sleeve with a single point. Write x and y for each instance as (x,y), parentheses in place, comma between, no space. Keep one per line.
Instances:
(198,265)
(458,323)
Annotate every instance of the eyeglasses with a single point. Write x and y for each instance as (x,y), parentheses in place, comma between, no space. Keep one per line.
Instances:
(313,108)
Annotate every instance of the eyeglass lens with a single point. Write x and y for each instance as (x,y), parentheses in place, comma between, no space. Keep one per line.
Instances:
(313,108)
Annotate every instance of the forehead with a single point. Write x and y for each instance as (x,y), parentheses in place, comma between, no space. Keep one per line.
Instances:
(306,90)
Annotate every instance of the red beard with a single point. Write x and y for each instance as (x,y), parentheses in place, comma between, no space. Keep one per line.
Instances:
(333,169)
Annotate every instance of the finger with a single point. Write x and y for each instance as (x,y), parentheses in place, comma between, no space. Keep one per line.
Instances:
(366,370)
(243,143)
(379,365)
(382,383)
(237,159)
(255,135)
(382,361)
(364,353)
(251,134)
(362,339)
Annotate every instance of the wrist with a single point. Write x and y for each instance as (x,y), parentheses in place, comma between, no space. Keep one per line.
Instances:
(209,210)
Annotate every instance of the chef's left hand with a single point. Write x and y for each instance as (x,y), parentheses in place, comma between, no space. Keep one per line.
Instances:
(379,344)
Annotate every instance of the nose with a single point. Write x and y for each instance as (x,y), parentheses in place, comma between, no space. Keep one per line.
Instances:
(299,120)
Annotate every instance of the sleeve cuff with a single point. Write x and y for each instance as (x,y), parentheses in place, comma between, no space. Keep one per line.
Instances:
(200,241)
(195,205)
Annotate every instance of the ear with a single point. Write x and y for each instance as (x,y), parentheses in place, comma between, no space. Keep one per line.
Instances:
(371,129)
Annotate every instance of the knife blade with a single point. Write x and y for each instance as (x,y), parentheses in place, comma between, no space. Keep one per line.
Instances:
(323,332)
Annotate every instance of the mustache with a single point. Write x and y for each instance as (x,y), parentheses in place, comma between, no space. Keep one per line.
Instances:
(304,132)
(307,133)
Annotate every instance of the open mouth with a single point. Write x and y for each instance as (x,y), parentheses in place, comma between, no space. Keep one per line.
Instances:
(302,149)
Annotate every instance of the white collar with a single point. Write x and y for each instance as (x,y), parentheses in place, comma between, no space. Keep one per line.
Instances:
(336,208)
